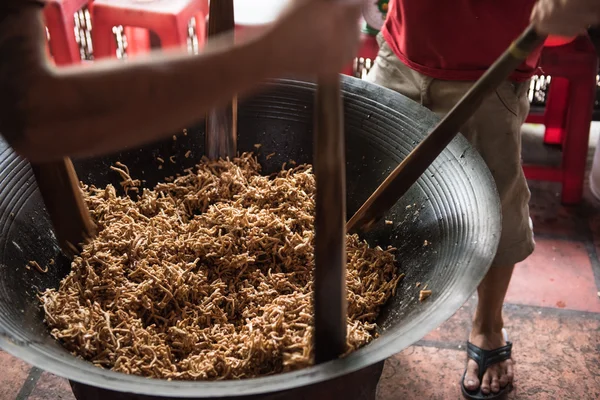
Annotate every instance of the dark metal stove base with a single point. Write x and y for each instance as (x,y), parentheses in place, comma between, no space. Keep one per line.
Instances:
(360,385)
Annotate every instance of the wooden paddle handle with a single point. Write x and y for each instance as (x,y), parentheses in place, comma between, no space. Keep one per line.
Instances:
(330,304)
(221,124)
(62,196)
(417,162)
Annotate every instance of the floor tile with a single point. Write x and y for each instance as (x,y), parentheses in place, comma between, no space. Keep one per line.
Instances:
(456,329)
(551,218)
(422,373)
(558,274)
(14,373)
(51,387)
(557,355)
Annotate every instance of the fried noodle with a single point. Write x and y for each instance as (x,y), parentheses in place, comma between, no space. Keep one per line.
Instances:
(208,276)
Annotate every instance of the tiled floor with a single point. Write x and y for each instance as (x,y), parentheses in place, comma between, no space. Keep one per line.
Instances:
(552,315)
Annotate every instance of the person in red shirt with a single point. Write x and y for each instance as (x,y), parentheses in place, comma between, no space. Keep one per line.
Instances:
(432,52)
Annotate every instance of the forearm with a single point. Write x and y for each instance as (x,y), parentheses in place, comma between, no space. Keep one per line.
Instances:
(105,106)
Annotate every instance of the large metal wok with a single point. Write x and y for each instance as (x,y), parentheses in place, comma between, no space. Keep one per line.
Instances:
(446,229)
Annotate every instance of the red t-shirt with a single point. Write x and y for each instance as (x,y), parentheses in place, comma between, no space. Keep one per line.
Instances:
(457,39)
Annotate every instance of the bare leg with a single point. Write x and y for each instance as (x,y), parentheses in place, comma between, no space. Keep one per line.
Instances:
(487,331)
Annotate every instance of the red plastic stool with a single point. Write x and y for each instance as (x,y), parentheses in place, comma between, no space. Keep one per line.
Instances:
(554,115)
(573,69)
(168,19)
(59,16)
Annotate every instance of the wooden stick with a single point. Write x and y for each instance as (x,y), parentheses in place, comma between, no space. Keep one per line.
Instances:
(62,196)
(221,124)
(413,166)
(330,306)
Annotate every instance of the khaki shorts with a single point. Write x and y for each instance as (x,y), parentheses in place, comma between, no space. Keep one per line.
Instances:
(494,130)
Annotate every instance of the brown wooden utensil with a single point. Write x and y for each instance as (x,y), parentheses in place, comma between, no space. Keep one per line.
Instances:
(330,305)
(413,166)
(62,196)
(221,124)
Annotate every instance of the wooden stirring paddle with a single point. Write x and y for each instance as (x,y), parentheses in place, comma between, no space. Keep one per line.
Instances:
(221,124)
(413,166)
(330,306)
(62,196)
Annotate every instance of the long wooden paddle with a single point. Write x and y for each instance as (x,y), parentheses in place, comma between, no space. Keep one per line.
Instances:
(62,196)
(330,306)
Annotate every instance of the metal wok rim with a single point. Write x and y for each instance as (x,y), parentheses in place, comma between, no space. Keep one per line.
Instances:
(388,344)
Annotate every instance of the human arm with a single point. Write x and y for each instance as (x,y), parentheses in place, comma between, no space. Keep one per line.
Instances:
(48,113)
(565,17)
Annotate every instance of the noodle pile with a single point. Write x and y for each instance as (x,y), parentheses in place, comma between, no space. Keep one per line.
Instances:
(207,277)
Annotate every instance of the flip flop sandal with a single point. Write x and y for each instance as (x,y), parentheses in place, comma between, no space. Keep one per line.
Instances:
(485,359)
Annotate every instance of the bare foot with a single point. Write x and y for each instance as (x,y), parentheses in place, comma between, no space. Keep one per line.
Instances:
(498,375)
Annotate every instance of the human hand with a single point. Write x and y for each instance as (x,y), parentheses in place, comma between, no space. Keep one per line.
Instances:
(316,36)
(565,17)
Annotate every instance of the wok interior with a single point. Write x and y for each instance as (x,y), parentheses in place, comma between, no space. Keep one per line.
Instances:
(445,228)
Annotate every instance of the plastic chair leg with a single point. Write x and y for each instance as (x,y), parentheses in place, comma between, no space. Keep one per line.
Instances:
(556,111)
(575,148)
(174,35)
(138,40)
(61,27)
(103,38)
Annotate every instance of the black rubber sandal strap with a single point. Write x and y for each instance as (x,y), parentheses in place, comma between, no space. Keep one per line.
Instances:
(487,358)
